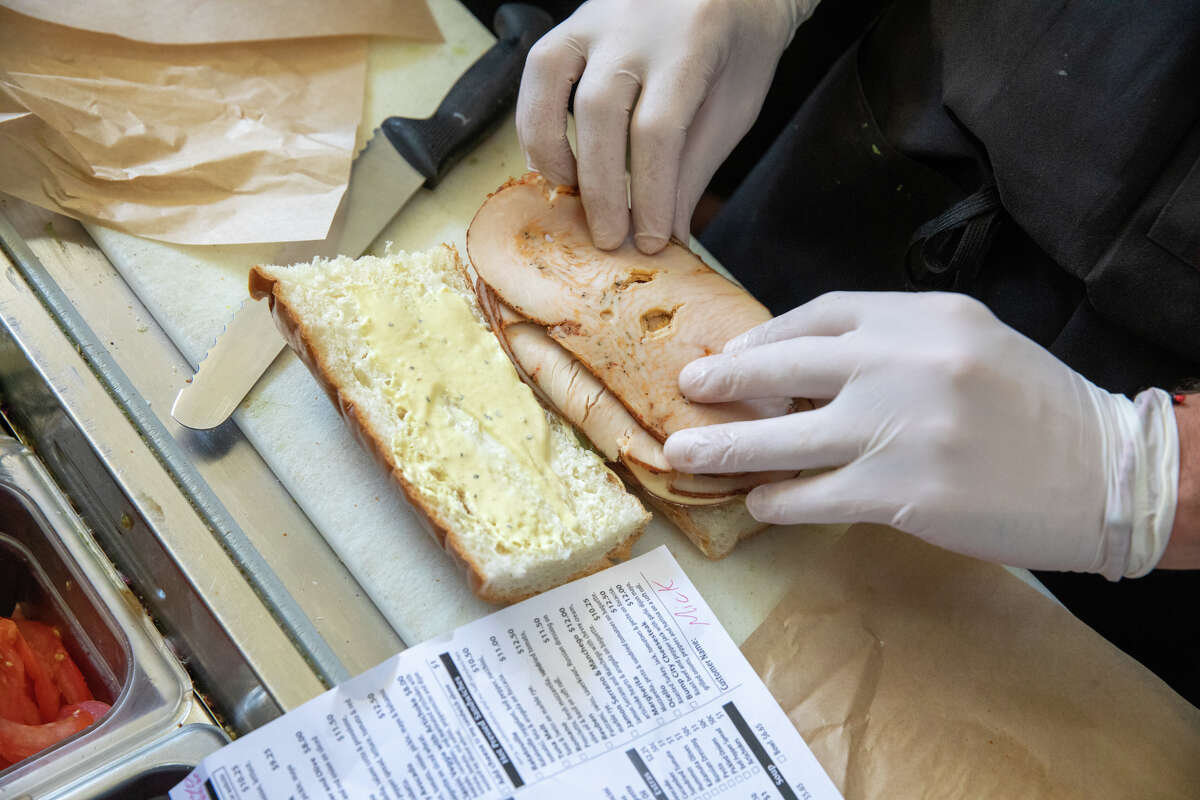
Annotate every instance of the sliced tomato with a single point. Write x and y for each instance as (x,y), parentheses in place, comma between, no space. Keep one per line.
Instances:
(21,741)
(72,684)
(94,707)
(38,672)
(46,643)
(16,704)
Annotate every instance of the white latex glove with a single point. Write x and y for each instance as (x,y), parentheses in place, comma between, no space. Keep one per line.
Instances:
(676,82)
(947,424)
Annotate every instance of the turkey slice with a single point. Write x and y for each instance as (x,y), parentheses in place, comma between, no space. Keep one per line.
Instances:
(632,320)
(575,393)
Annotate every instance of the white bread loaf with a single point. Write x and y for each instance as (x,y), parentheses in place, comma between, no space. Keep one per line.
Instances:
(402,350)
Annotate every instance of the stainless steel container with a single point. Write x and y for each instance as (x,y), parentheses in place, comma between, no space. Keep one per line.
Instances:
(152,771)
(50,563)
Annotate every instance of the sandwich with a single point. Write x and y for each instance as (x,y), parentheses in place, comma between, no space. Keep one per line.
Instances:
(404,353)
(602,336)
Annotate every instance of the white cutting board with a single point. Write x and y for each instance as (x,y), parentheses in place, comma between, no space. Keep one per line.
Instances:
(192,291)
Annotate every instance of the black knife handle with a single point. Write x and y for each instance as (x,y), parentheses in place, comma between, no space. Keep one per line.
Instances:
(480,99)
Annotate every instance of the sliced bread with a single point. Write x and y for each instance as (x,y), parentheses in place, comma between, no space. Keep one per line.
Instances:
(399,345)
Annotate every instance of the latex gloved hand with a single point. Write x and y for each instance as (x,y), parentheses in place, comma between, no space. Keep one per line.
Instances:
(947,424)
(676,82)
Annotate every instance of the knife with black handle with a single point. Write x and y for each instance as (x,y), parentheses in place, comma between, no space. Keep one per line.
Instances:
(476,103)
(403,156)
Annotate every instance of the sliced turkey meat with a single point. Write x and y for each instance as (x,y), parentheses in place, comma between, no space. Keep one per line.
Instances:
(632,320)
(499,315)
(579,396)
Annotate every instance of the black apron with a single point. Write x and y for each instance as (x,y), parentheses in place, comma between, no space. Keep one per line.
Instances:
(1043,157)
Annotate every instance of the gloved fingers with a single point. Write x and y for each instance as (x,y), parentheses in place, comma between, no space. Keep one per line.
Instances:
(812,367)
(603,104)
(831,314)
(837,496)
(804,440)
(657,139)
(551,70)
(711,138)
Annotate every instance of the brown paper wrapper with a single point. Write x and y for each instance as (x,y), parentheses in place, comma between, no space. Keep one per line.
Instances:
(914,672)
(191,22)
(211,144)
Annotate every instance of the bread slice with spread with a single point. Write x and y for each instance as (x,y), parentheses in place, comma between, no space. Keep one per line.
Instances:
(401,348)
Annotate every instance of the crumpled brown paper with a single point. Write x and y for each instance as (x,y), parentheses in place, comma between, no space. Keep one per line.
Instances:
(205,144)
(913,672)
(191,22)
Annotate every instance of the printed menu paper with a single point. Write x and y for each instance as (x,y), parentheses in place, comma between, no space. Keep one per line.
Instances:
(618,686)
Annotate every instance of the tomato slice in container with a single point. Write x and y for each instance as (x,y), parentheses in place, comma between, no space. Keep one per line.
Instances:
(94,707)
(19,741)
(46,643)
(38,672)
(71,683)
(16,704)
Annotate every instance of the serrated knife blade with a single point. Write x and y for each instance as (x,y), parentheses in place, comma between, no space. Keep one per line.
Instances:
(403,155)
(208,401)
